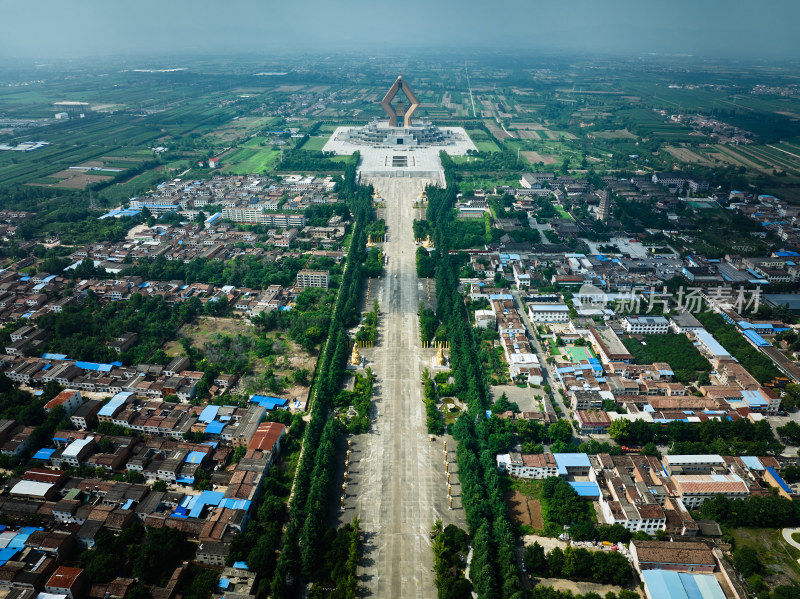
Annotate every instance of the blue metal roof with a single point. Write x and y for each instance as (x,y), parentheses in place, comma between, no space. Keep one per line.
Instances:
(43,454)
(54,356)
(94,366)
(586,488)
(214,428)
(6,554)
(196,503)
(208,414)
(754,399)
(756,338)
(195,457)
(235,504)
(240,565)
(752,462)
(711,344)
(665,584)
(575,460)
(115,402)
(779,480)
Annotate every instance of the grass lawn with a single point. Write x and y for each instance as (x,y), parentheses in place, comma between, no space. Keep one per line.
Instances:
(250,160)
(316,143)
(486,146)
(287,356)
(778,556)
(563,213)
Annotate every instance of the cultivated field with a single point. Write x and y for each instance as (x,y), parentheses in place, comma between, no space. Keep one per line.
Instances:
(524,511)
(536,158)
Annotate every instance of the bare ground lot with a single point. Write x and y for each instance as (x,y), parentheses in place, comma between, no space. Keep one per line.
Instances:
(238,128)
(524,511)
(615,134)
(288,357)
(580,588)
(687,155)
(536,126)
(528,134)
(535,157)
(74,179)
(496,131)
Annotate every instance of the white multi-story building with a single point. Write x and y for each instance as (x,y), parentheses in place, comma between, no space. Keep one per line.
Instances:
(524,465)
(694,489)
(645,325)
(548,312)
(313,278)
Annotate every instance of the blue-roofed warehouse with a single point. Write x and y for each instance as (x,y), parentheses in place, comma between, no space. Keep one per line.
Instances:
(572,464)
(665,584)
(114,404)
(586,489)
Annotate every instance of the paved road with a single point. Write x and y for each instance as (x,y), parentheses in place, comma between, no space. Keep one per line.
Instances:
(787,536)
(397,481)
(550,375)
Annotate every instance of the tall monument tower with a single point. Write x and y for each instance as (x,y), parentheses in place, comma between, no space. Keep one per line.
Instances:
(400,110)
(604,209)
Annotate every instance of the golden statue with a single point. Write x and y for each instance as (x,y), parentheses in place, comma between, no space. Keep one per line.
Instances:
(440,357)
(355,359)
(427,243)
(369,241)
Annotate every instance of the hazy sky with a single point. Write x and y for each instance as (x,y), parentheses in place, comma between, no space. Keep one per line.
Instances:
(733,28)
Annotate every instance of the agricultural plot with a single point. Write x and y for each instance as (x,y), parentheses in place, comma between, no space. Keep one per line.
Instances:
(316,143)
(536,158)
(496,130)
(482,141)
(615,134)
(688,156)
(238,128)
(245,161)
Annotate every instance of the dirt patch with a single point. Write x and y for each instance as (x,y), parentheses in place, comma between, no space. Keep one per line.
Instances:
(496,131)
(76,179)
(527,134)
(741,158)
(686,155)
(535,157)
(615,134)
(239,128)
(581,588)
(287,358)
(203,330)
(525,511)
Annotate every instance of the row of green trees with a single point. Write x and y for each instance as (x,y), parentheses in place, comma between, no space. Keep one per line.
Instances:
(493,570)
(561,506)
(258,545)
(82,330)
(304,540)
(242,271)
(756,363)
(771,511)
(433,417)
(577,563)
(450,547)
(725,437)
(360,398)
(341,562)
(676,350)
